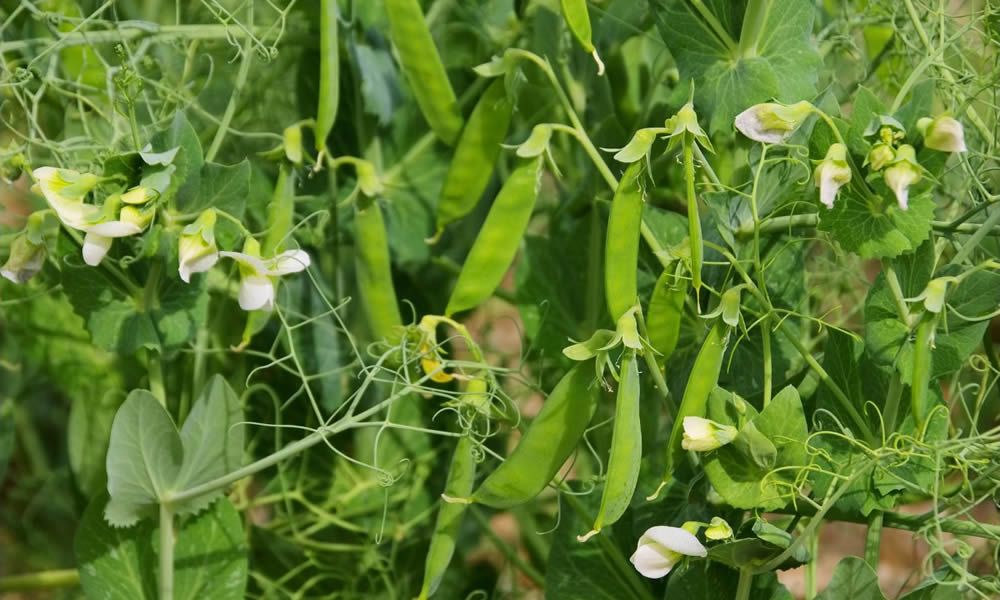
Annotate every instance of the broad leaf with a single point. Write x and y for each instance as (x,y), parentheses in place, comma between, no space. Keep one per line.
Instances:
(877,227)
(90,420)
(853,580)
(226,188)
(184,184)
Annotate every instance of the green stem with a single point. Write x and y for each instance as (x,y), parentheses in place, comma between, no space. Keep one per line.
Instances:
(234,96)
(811,566)
(694,217)
(788,222)
(873,539)
(744,585)
(154,367)
(511,553)
(980,232)
(765,323)
(125,31)
(713,23)
(40,581)
(892,280)
(166,552)
(753,25)
(923,355)
(654,369)
(891,413)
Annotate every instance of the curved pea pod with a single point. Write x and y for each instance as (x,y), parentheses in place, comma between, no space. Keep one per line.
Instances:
(374,269)
(329,72)
(626,450)
(420,61)
(666,309)
(923,354)
(578,19)
(461,477)
(703,379)
(498,240)
(547,443)
(621,247)
(475,154)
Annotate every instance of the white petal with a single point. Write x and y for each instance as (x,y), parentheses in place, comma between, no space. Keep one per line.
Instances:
(291,261)
(749,124)
(698,427)
(651,562)
(251,261)
(114,229)
(675,539)
(828,189)
(256,293)
(95,247)
(198,265)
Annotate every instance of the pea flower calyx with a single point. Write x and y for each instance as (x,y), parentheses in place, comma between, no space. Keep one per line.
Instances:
(258,275)
(662,547)
(772,122)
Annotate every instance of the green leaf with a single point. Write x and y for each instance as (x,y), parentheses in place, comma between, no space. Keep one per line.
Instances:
(212,438)
(210,556)
(859,378)
(184,185)
(90,420)
(784,66)
(144,458)
(853,580)
(750,552)
(878,228)
(709,580)
(738,479)
(226,188)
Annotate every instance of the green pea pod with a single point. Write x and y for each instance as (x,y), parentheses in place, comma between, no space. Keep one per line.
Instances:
(547,443)
(923,354)
(703,379)
(697,245)
(621,247)
(329,72)
(374,269)
(497,242)
(280,213)
(666,309)
(420,61)
(476,153)
(578,19)
(461,477)
(626,450)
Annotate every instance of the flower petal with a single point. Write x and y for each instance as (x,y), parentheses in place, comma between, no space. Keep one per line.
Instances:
(651,562)
(256,293)
(197,265)
(95,247)
(245,259)
(291,261)
(675,539)
(114,229)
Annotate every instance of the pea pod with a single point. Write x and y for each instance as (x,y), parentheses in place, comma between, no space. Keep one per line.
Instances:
(666,309)
(547,443)
(578,19)
(420,61)
(461,477)
(694,217)
(703,379)
(626,450)
(497,242)
(329,72)
(923,352)
(280,212)
(476,153)
(374,270)
(621,247)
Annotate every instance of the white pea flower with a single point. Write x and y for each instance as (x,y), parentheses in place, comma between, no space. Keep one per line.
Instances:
(771,122)
(832,173)
(257,275)
(25,261)
(718,529)
(662,547)
(902,173)
(65,190)
(704,435)
(197,251)
(132,220)
(942,133)
(934,294)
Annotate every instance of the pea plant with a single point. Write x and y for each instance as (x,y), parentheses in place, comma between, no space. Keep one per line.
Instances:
(504,298)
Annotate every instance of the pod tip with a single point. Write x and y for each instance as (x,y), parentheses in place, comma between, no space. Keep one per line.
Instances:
(588,535)
(453,500)
(656,494)
(600,63)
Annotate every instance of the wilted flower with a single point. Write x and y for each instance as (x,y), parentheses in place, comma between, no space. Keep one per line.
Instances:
(257,275)
(902,173)
(704,435)
(832,173)
(771,122)
(662,547)
(942,133)
(196,249)
(718,529)
(25,261)
(880,155)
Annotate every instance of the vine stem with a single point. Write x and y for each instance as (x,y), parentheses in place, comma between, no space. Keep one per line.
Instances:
(873,539)
(227,117)
(511,553)
(753,24)
(40,581)
(131,30)
(166,552)
(743,587)
(787,222)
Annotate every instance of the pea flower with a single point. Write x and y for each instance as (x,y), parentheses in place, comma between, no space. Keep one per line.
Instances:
(65,190)
(880,155)
(639,146)
(662,547)
(718,529)
(934,294)
(132,220)
(902,173)
(196,250)
(832,173)
(258,275)
(704,435)
(686,121)
(771,122)
(25,261)
(942,133)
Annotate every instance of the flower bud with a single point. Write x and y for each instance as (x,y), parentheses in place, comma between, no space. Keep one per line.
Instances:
(537,142)
(662,547)
(934,294)
(832,173)
(196,248)
(880,155)
(138,195)
(772,123)
(292,142)
(139,217)
(686,121)
(718,529)
(902,173)
(25,261)
(942,133)
(704,435)
(638,147)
